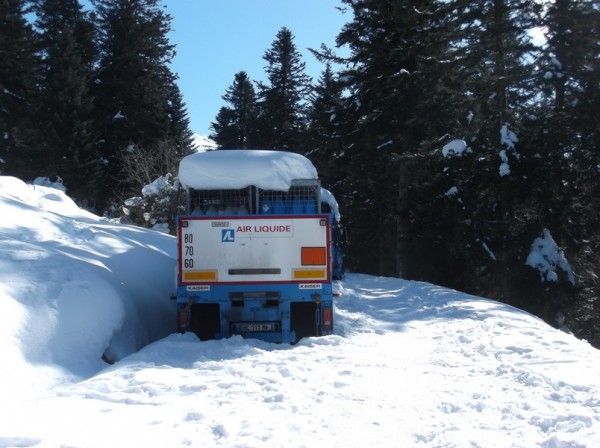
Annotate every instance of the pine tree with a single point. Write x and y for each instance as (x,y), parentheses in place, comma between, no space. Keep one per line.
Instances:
(235,125)
(326,128)
(70,141)
(134,83)
(282,108)
(570,76)
(19,74)
(491,48)
(180,132)
(395,101)
(569,137)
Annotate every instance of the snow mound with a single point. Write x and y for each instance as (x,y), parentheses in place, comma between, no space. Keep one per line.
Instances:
(240,168)
(75,287)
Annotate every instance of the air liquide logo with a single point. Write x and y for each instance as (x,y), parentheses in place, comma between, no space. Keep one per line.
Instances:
(265,229)
(227,235)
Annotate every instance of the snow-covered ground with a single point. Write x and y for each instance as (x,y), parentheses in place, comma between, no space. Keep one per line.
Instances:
(410,364)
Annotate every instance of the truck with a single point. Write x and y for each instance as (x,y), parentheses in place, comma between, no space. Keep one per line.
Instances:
(258,247)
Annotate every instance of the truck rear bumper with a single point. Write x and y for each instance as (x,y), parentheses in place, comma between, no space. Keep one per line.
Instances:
(270,316)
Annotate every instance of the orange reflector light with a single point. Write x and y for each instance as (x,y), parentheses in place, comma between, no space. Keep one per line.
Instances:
(302,274)
(313,256)
(200,275)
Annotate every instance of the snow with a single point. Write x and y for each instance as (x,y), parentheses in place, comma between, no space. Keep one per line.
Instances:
(203,143)
(159,185)
(77,287)
(118,116)
(508,137)
(238,168)
(410,364)
(504,169)
(452,191)
(456,148)
(45,182)
(383,145)
(489,251)
(329,198)
(546,257)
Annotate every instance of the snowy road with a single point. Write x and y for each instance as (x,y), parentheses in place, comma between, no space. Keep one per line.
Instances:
(411,365)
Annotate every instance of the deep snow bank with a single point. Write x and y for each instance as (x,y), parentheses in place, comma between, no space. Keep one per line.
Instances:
(74,286)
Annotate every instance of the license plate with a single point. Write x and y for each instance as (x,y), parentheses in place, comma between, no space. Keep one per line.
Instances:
(256,327)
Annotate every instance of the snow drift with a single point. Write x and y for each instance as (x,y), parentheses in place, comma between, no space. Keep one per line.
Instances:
(75,287)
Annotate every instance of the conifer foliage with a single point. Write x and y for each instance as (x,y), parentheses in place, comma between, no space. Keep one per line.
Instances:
(236,125)
(69,150)
(274,115)
(281,100)
(325,140)
(81,90)
(133,83)
(20,69)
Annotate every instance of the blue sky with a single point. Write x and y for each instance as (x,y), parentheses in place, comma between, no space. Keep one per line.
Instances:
(217,38)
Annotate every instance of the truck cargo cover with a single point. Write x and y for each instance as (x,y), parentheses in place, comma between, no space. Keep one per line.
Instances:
(240,168)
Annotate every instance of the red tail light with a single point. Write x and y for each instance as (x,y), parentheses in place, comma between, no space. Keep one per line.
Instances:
(182,321)
(327,320)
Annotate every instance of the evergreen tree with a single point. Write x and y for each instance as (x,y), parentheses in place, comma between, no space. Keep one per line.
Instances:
(19,75)
(282,108)
(568,138)
(326,128)
(134,83)
(395,101)
(571,78)
(491,47)
(235,125)
(180,132)
(70,142)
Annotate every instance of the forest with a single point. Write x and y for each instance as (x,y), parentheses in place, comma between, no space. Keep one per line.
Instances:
(453,140)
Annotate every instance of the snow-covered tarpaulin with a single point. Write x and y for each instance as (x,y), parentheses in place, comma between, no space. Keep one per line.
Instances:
(240,168)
